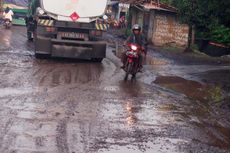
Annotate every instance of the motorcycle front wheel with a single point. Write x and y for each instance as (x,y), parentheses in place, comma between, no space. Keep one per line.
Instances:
(128,70)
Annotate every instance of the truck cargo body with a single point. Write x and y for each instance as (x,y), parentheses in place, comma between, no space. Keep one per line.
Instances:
(67,28)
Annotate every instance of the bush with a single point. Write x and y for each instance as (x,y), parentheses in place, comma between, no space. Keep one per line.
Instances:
(216,33)
(128,32)
(220,34)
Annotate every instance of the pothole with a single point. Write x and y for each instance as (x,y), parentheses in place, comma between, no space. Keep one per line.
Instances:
(192,89)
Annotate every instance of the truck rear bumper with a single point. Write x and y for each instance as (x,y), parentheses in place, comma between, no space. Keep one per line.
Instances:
(70,48)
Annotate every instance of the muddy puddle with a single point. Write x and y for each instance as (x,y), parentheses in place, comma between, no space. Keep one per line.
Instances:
(220,77)
(199,111)
(192,89)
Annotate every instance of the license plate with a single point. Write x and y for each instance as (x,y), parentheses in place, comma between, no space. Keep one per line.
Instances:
(131,53)
(72,35)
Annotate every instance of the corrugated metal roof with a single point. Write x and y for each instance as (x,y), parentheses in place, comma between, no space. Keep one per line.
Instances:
(134,1)
(150,4)
(160,6)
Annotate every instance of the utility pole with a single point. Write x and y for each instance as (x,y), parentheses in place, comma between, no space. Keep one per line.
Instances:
(1,6)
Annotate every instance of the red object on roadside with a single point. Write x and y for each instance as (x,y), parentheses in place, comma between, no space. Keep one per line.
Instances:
(218,44)
(74,16)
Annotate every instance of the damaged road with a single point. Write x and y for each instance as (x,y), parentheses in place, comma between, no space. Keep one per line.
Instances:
(70,106)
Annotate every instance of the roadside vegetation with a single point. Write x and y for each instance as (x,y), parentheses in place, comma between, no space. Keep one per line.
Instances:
(210,18)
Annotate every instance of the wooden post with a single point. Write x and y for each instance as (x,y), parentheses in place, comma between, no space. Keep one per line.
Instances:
(1,6)
(193,35)
(191,26)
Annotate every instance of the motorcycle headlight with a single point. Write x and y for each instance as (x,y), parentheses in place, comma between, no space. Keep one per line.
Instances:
(133,47)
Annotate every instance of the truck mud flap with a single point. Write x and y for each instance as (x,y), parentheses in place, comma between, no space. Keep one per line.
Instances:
(78,49)
(42,45)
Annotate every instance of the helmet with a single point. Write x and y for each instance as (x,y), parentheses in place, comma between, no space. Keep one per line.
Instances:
(136,27)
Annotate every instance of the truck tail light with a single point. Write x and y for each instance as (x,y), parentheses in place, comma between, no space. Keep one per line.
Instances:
(95,33)
(98,33)
(50,29)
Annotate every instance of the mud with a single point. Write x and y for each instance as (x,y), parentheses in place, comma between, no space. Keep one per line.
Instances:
(218,77)
(192,89)
(62,106)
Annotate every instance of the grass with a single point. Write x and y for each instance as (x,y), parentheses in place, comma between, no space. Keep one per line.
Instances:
(216,94)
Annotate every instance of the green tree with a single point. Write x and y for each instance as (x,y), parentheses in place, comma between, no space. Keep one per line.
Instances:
(166,1)
(214,21)
(209,17)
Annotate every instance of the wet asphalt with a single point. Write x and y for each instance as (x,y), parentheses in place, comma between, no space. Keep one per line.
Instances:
(72,106)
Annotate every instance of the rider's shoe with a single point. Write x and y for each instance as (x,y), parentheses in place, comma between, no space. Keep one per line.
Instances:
(122,67)
(140,69)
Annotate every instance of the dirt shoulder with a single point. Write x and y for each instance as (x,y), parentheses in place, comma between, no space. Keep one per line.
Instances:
(193,58)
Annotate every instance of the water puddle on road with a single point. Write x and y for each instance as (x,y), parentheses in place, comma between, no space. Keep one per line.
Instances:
(192,89)
(220,76)
(148,60)
(11,91)
(158,145)
(199,111)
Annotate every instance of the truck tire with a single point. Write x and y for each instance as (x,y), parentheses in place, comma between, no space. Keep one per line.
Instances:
(29,36)
(97,60)
(41,56)
(38,56)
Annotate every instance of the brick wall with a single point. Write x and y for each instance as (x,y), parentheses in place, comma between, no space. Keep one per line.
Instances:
(168,30)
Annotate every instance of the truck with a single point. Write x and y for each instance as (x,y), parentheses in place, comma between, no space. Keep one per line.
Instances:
(19,16)
(67,28)
(19,7)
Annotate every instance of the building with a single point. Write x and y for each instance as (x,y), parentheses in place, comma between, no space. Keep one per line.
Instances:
(159,22)
(117,9)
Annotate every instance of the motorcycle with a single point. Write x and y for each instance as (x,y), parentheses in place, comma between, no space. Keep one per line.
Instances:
(132,65)
(7,24)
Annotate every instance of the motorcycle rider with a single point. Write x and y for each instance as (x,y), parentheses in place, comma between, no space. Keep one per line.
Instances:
(7,14)
(137,38)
